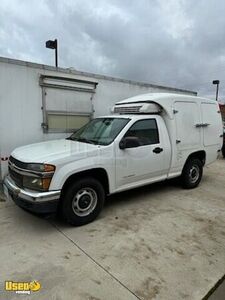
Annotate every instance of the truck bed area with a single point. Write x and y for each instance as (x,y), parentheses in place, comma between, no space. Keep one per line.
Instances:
(156,242)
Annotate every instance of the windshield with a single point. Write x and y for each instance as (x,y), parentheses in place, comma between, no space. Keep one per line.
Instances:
(100,131)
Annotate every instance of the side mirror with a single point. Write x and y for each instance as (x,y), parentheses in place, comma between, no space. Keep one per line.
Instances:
(129,142)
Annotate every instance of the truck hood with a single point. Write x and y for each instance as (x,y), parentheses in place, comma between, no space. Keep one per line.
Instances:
(53,151)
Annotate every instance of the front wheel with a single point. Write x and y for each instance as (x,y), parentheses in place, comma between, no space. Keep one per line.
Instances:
(83,201)
(192,173)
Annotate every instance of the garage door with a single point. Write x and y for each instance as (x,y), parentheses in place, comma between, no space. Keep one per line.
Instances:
(67,103)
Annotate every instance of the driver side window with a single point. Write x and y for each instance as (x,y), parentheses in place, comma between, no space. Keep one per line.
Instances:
(146,131)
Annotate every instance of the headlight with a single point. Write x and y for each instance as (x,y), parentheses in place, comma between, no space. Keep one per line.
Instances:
(36,183)
(42,180)
(41,167)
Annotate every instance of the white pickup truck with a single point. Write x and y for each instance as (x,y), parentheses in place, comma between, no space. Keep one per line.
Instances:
(148,138)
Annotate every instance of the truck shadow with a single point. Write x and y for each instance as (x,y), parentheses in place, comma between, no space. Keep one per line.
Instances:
(146,191)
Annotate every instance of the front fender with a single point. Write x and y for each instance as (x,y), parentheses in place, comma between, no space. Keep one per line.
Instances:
(64,172)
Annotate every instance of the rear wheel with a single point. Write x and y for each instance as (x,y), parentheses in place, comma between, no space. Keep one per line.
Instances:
(83,201)
(192,173)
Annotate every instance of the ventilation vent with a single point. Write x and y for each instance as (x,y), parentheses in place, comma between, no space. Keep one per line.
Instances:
(137,108)
(127,109)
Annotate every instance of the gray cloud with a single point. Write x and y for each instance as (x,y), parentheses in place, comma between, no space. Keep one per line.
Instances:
(177,42)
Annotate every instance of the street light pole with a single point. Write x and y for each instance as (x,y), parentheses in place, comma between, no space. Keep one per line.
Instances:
(216,82)
(50,44)
(56,53)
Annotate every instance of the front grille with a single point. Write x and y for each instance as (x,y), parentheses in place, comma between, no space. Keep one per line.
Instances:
(18,178)
(18,163)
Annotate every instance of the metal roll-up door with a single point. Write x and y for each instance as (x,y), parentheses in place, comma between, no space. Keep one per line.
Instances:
(67,103)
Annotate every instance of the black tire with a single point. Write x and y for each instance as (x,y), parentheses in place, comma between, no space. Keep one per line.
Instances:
(223,150)
(192,173)
(78,197)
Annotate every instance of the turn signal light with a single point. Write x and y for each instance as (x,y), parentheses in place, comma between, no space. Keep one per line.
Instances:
(49,168)
(46,183)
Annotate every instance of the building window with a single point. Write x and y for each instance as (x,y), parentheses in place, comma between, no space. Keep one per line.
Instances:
(64,122)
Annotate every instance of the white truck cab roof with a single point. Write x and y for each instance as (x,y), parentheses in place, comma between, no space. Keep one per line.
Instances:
(154,103)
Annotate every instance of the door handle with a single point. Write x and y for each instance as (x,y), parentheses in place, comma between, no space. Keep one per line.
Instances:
(202,125)
(157,150)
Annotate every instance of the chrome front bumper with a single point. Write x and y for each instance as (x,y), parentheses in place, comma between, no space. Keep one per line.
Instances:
(31,200)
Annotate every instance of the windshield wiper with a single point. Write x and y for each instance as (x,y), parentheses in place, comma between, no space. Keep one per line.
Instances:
(83,140)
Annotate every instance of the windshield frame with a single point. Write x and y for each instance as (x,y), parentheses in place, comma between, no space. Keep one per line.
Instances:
(82,140)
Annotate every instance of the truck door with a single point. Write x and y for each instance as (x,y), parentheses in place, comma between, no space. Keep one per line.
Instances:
(145,163)
(187,115)
(211,122)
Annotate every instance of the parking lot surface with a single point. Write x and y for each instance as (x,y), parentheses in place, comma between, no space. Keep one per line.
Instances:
(156,242)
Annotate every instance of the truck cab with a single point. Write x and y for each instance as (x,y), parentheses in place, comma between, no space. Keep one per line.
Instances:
(148,138)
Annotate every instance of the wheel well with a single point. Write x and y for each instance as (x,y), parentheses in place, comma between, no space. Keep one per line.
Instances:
(97,173)
(199,154)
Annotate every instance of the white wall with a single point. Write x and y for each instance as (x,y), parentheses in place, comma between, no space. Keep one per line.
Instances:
(21,103)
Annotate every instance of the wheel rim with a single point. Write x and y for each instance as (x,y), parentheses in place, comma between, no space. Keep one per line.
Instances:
(194,173)
(84,202)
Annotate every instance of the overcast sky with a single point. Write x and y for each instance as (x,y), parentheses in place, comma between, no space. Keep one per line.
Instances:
(179,43)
